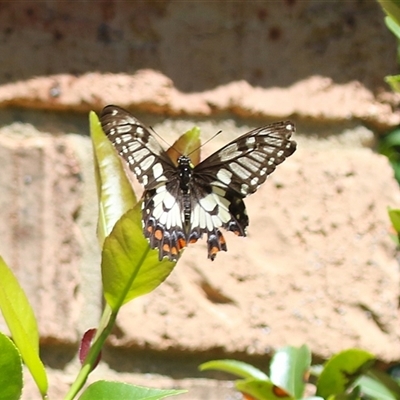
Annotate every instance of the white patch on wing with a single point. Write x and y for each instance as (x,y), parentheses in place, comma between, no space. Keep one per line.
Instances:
(210,224)
(256,155)
(208,203)
(216,221)
(163,219)
(250,164)
(244,189)
(125,137)
(158,202)
(254,181)
(153,145)
(124,129)
(224,176)
(250,141)
(169,200)
(229,152)
(166,209)
(290,127)
(195,216)
(201,213)
(146,163)
(157,170)
(140,154)
(239,170)
(133,146)
(139,130)
(202,217)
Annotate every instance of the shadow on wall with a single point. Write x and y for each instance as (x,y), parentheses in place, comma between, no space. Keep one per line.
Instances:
(199,45)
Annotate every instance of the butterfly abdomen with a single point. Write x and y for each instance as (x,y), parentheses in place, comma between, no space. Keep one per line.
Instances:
(185,177)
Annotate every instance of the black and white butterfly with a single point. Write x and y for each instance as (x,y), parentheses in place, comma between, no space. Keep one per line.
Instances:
(183,202)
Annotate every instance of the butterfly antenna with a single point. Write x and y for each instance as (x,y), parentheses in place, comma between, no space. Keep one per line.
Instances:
(160,137)
(203,144)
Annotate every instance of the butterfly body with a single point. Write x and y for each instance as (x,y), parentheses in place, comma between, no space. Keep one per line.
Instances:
(182,202)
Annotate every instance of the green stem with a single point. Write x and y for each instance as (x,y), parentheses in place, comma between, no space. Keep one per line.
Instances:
(92,355)
(107,321)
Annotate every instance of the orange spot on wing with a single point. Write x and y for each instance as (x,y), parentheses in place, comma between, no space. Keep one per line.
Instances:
(158,234)
(182,243)
(150,229)
(213,251)
(166,248)
(174,251)
(194,240)
(222,239)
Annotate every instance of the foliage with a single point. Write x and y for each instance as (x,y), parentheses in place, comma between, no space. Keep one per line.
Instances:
(392,21)
(347,375)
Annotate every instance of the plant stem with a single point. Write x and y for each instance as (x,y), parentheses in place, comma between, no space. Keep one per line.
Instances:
(91,357)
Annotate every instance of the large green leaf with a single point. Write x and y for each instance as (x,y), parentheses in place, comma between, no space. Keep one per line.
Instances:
(104,390)
(21,322)
(115,192)
(130,268)
(234,367)
(342,370)
(10,370)
(289,368)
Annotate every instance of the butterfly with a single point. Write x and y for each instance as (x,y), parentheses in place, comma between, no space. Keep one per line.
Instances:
(182,202)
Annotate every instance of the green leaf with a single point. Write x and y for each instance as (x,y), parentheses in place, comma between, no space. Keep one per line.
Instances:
(353,395)
(115,192)
(10,370)
(379,385)
(189,143)
(394,82)
(342,370)
(289,368)
(21,322)
(234,367)
(104,390)
(394,215)
(392,9)
(262,390)
(130,268)
(393,26)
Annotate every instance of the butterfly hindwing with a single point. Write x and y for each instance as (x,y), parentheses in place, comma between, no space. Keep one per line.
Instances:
(182,203)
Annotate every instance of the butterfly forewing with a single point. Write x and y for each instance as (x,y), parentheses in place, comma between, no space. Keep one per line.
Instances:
(181,203)
(134,142)
(245,163)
